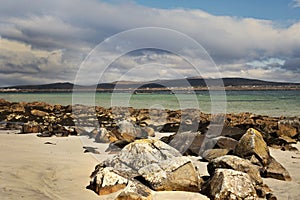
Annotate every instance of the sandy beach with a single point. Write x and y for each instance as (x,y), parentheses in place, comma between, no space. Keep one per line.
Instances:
(31,169)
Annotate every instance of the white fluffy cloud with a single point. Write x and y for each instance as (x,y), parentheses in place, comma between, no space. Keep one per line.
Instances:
(74,27)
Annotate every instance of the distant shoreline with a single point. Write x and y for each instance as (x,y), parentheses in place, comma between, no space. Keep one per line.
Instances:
(155,90)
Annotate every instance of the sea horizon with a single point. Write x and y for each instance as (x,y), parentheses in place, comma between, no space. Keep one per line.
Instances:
(274,103)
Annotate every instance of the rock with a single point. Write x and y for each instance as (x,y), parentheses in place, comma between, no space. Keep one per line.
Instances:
(31,127)
(135,191)
(271,197)
(102,136)
(3,102)
(235,163)
(232,132)
(106,181)
(230,184)
(94,133)
(277,171)
(60,131)
(45,134)
(42,106)
(287,140)
(288,147)
(149,131)
(187,143)
(91,150)
(17,108)
(282,141)
(38,113)
(13,126)
(127,131)
(225,143)
(252,143)
(117,146)
(80,131)
(168,127)
(156,163)
(286,128)
(264,191)
(141,153)
(211,154)
(177,174)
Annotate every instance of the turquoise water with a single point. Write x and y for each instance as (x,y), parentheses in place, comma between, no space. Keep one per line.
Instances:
(272,103)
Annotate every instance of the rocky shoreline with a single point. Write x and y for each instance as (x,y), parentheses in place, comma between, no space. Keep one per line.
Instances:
(238,155)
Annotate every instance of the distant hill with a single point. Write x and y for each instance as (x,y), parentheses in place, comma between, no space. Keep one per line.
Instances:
(157,84)
(64,86)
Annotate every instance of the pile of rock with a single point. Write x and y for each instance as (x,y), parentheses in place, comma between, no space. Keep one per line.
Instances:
(145,165)
(45,118)
(148,165)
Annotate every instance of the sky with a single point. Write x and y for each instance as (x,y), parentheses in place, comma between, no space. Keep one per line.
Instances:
(56,41)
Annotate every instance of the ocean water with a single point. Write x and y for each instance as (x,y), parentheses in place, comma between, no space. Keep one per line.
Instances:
(272,103)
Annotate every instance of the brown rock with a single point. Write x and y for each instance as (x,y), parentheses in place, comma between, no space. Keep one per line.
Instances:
(252,143)
(235,163)
(226,143)
(106,181)
(17,108)
(149,131)
(277,171)
(287,140)
(177,174)
(38,113)
(80,131)
(264,191)
(187,143)
(135,191)
(285,128)
(232,132)
(40,106)
(211,154)
(102,136)
(31,128)
(230,184)
(3,102)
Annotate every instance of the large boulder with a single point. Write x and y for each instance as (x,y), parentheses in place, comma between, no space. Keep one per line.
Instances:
(235,163)
(230,184)
(141,153)
(178,174)
(253,144)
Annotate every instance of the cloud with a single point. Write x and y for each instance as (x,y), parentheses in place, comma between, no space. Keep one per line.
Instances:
(56,36)
(296,3)
(20,64)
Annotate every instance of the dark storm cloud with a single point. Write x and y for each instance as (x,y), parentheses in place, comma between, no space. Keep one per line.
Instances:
(292,65)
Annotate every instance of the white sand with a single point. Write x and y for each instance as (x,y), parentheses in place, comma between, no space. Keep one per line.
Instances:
(30,169)
(289,190)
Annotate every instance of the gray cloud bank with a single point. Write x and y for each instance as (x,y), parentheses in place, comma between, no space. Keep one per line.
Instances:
(45,41)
